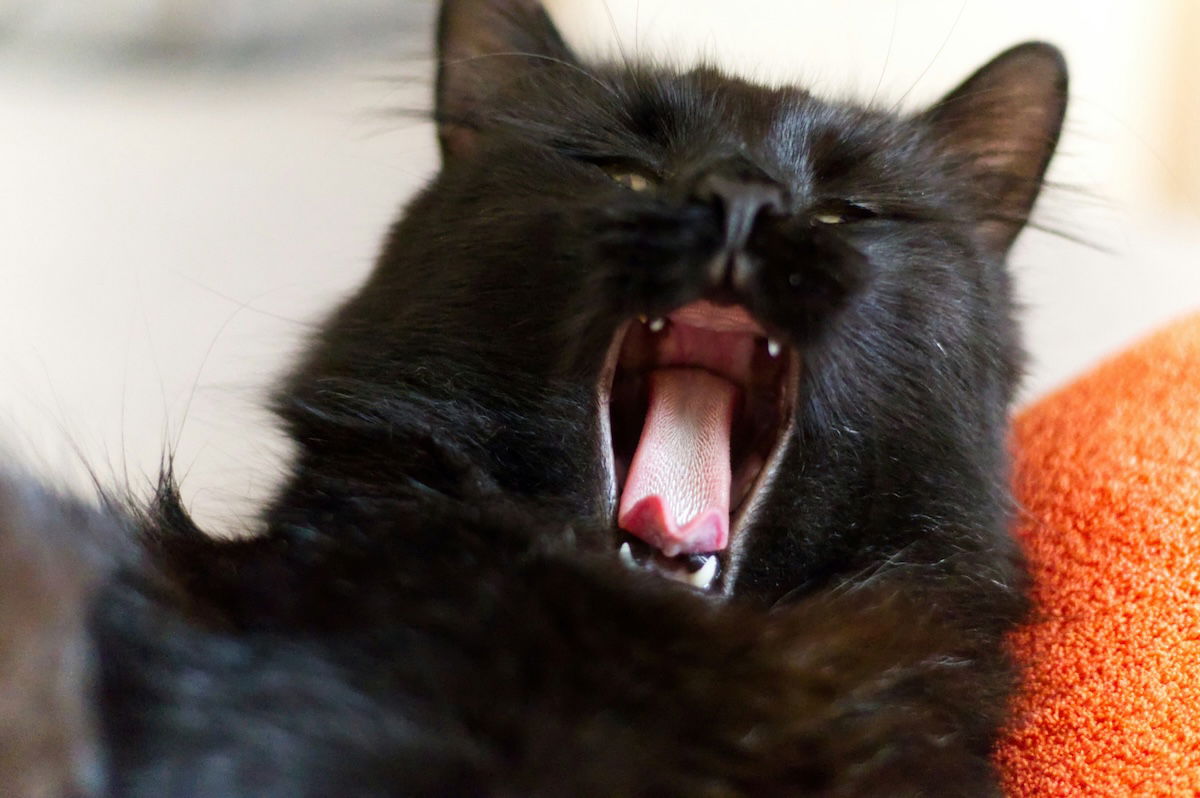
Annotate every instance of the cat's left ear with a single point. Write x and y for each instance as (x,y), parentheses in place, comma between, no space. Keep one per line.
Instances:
(1001,126)
(483,46)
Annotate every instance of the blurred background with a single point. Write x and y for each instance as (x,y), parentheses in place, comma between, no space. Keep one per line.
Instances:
(188,185)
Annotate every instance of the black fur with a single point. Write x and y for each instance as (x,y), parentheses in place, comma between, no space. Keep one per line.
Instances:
(434,607)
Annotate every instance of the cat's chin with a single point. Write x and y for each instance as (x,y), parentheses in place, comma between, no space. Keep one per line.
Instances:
(696,408)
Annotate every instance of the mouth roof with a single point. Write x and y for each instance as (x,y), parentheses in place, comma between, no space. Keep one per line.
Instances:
(699,404)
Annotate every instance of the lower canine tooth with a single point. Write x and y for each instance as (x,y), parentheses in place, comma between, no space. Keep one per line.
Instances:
(657,324)
(704,577)
(626,555)
(773,347)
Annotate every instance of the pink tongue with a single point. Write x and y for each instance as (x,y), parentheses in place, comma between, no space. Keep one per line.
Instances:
(676,496)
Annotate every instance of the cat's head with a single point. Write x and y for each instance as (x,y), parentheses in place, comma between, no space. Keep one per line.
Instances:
(720,318)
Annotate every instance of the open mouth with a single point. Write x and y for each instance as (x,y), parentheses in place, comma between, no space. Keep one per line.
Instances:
(698,405)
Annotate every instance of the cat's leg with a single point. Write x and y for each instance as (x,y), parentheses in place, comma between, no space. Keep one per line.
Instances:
(918,698)
(54,552)
(889,684)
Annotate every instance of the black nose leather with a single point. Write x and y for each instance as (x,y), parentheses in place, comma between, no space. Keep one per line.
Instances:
(742,201)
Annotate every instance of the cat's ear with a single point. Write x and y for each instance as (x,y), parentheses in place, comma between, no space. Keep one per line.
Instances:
(483,45)
(1001,125)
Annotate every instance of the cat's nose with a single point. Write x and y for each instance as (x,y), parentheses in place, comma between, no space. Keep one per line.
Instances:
(742,201)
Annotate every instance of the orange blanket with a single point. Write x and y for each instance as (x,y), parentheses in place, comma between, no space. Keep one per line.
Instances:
(1108,472)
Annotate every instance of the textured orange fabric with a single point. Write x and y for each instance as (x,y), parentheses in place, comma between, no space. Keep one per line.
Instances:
(1108,472)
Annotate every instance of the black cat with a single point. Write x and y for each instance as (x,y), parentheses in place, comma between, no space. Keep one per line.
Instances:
(663,454)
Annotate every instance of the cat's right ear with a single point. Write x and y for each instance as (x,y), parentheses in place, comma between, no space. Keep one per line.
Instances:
(484,45)
(1001,126)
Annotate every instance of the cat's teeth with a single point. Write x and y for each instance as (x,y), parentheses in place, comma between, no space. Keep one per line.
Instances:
(704,577)
(626,555)
(643,318)
(657,324)
(773,347)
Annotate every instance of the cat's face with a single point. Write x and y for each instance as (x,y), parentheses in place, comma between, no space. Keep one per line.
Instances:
(731,324)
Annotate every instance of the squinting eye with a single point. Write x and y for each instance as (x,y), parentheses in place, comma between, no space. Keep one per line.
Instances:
(631,180)
(841,212)
(635,182)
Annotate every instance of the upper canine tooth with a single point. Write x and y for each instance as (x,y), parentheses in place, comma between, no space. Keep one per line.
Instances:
(642,318)
(626,555)
(773,347)
(657,324)
(704,577)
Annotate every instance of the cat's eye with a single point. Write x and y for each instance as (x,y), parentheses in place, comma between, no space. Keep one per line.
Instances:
(629,178)
(841,212)
(632,180)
